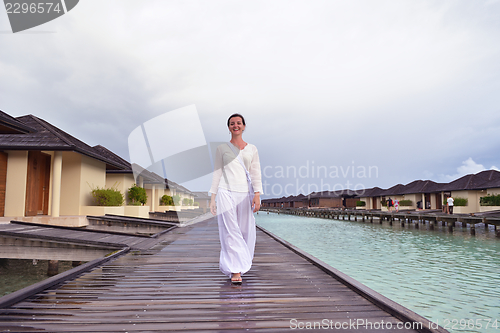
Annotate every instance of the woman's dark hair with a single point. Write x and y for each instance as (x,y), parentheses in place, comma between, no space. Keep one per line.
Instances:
(236,115)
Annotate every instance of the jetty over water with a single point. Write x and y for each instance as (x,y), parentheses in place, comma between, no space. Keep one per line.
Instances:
(176,285)
(431,218)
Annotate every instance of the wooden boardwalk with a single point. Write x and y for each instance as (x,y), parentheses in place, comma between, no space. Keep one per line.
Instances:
(177,286)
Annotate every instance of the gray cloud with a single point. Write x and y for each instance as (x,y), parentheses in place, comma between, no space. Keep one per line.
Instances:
(409,87)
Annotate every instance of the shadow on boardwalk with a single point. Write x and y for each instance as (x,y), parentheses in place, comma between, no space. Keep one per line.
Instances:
(177,286)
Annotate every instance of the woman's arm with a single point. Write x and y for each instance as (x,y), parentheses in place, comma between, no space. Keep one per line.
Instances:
(256,202)
(255,173)
(213,207)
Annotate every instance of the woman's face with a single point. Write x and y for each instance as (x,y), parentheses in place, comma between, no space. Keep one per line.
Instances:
(236,126)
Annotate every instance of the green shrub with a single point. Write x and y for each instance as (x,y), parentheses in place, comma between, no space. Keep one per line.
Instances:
(137,195)
(185,202)
(360,203)
(177,199)
(107,196)
(460,202)
(166,200)
(490,200)
(405,203)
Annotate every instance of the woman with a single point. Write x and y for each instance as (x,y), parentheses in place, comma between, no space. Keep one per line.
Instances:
(237,184)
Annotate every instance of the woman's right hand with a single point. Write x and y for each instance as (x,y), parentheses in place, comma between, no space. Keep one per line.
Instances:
(213,206)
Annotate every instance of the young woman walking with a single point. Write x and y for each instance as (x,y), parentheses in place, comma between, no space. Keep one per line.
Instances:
(237,185)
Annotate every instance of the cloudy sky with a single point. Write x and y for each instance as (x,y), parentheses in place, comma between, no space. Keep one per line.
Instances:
(394,90)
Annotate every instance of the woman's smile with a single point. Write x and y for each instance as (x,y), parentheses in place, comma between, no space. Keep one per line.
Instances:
(236,125)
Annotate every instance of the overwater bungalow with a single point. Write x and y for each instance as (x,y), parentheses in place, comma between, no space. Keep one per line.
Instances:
(332,199)
(472,187)
(285,201)
(423,194)
(417,195)
(46,172)
(297,201)
(372,198)
(203,199)
(275,202)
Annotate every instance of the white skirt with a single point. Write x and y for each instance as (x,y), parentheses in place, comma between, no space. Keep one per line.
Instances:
(237,231)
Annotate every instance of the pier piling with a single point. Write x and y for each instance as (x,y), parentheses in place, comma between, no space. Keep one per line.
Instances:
(53,268)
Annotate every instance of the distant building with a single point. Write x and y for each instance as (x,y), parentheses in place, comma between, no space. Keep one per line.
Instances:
(203,199)
(419,194)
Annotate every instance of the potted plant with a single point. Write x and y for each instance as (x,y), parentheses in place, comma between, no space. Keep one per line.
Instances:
(137,196)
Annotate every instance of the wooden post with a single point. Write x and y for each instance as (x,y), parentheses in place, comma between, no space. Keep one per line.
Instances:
(56,183)
(53,268)
(472,228)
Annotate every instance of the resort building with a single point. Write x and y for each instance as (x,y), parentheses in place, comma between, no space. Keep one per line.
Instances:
(417,195)
(333,199)
(472,188)
(203,200)
(45,171)
(297,201)
(372,198)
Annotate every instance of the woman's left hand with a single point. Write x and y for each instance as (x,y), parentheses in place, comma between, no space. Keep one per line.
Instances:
(256,202)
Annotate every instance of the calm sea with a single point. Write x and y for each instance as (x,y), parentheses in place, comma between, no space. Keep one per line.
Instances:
(452,279)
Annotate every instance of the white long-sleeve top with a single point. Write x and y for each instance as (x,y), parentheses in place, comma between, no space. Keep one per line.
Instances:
(229,174)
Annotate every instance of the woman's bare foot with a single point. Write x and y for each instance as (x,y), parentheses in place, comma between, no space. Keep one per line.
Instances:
(236,278)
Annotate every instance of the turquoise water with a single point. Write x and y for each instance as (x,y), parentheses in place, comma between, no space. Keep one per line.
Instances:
(452,279)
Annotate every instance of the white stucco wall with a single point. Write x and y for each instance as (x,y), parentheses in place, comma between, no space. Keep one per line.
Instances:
(80,174)
(121,181)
